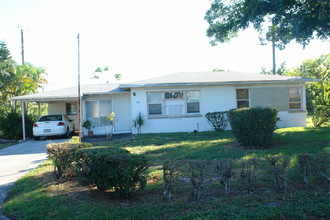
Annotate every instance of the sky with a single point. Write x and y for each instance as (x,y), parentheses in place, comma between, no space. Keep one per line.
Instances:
(138,39)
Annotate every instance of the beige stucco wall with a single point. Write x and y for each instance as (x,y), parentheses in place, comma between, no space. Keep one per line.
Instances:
(60,108)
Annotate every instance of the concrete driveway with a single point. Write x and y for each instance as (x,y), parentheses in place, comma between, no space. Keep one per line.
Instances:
(17,160)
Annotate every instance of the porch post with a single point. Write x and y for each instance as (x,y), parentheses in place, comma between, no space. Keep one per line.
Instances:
(23,120)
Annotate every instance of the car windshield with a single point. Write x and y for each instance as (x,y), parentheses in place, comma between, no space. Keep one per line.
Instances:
(51,118)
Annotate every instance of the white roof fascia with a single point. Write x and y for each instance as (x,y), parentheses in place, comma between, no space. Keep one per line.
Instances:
(127,86)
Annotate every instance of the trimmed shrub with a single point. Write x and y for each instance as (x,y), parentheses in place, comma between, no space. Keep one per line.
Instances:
(218,120)
(306,161)
(11,125)
(322,164)
(63,155)
(248,172)
(253,126)
(196,171)
(278,167)
(110,168)
(225,169)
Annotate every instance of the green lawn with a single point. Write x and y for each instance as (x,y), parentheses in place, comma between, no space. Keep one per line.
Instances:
(4,145)
(39,196)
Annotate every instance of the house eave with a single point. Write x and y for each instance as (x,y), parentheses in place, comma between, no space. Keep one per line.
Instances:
(68,98)
(149,85)
(106,93)
(48,99)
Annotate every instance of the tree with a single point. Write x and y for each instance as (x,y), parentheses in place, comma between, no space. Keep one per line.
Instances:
(318,93)
(99,70)
(17,79)
(4,52)
(286,20)
(280,71)
(299,20)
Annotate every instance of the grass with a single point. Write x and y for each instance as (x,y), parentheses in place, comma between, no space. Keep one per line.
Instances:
(39,196)
(4,145)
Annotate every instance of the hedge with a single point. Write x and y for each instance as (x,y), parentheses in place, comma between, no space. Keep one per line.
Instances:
(111,168)
(63,155)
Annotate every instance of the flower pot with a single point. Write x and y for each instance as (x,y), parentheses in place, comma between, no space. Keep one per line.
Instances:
(90,133)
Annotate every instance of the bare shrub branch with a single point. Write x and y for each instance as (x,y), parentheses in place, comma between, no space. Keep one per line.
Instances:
(248,172)
(279,165)
(225,170)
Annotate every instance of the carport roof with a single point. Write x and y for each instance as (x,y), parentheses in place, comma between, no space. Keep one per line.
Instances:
(71,93)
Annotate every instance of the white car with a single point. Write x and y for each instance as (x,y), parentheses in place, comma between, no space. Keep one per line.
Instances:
(53,125)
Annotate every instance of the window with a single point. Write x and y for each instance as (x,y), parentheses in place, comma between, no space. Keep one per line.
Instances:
(105,111)
(193,102)
(71,108)
(173,103)
(97,112)
(295,98)
(242,97)
(155,103)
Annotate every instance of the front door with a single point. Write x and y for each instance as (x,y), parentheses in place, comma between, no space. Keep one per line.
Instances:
(123,116)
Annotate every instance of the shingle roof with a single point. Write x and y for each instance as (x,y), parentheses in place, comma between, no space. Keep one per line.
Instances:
(215,78)
(72,93)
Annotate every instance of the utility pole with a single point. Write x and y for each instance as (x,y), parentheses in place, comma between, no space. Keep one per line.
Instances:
(22,42)
(274,59)
(79,99)
(273,47)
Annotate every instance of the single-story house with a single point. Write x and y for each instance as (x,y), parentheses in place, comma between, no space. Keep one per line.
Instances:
(178,102)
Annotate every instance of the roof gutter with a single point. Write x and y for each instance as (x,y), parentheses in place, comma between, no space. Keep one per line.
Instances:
(127,86)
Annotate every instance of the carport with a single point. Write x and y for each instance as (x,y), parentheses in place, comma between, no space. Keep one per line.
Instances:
(68,95)
(97,101)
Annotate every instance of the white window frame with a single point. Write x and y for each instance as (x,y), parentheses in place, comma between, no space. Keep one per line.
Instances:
(71,112)
(156,103)
(248,99)
(300,90)
(164,100)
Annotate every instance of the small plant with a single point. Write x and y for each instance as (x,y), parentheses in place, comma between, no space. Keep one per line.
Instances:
(279,165)
(305,162)
(248,173)
(138,122)
(87,124)
(111,128)
(218,120)
(196,174)
(225,170)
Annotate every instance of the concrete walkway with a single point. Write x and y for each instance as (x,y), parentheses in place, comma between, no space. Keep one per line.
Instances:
(17,160)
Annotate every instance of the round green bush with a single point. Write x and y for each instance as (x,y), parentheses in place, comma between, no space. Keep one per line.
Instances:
(253,127)
(111,168)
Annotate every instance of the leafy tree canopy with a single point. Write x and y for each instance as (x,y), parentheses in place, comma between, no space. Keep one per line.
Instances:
(99,70)
(299,20)
(17,79)
(4,52)
(280,71)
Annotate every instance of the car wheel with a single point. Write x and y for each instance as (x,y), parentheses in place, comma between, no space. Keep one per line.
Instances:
(67,134)
(36,138)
